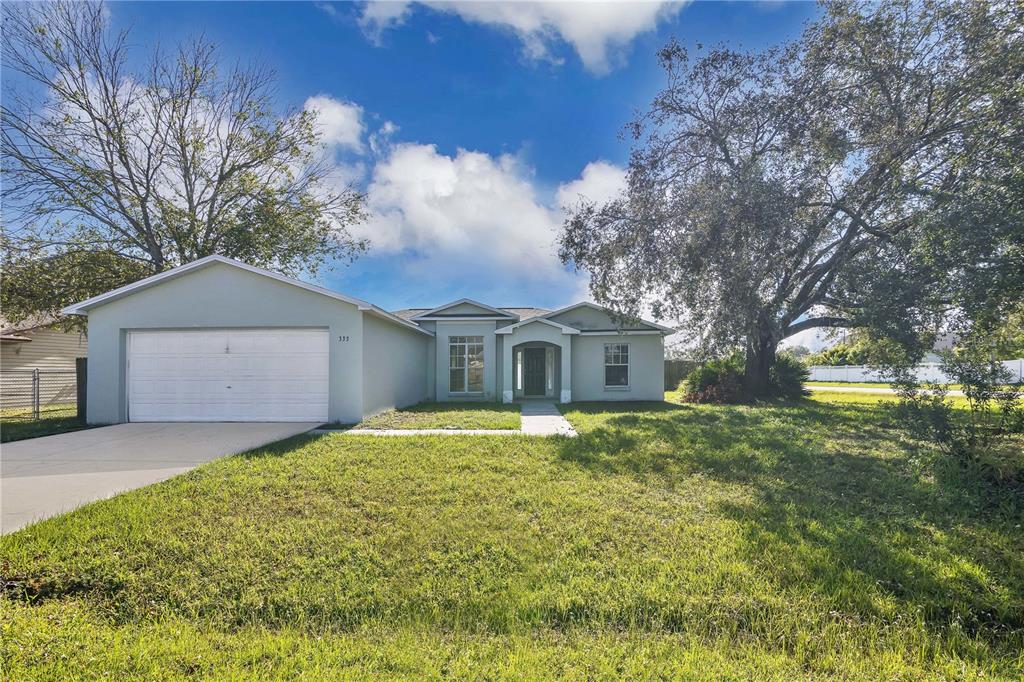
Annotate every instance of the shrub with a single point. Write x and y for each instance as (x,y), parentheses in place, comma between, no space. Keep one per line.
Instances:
(787,377)
(717,381)
(986,436)
(721,380)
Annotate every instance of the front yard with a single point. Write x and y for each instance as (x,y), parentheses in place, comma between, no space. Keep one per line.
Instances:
(667,541)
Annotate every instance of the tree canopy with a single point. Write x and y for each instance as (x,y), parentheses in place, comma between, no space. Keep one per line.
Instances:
(111,174)
(834,181)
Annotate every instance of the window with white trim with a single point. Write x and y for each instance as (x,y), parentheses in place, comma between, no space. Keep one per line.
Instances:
(616,365)
(465,364)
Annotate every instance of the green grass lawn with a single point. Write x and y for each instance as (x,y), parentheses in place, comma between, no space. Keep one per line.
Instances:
(18,424)
(667,541)
(447,415)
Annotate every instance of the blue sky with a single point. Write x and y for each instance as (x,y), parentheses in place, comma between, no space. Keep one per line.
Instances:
(468,126)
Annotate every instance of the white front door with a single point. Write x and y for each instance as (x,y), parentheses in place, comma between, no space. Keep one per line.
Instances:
(228,375)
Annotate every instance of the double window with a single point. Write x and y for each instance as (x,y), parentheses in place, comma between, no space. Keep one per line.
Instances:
(616,365)
(465,364)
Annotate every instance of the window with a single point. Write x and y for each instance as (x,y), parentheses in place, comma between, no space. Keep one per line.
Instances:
(616,365)
(465,364)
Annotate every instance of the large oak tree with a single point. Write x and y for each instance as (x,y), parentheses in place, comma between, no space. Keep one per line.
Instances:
(812,185)
(112,173)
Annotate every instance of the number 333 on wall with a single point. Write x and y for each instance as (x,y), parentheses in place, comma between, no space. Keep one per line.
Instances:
(343,339)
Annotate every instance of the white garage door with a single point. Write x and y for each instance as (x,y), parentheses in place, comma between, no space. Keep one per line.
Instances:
(228,375)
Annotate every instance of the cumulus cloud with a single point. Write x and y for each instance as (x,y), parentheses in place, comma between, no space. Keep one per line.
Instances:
(600,182)
(470,219)
(466,206)
(340,123)
(599,32)
(472,216)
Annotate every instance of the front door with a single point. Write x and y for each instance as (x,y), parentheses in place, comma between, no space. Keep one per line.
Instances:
(533,371)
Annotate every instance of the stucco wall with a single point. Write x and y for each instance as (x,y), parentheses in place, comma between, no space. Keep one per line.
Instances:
(444,330)
(222,296)
(395,363)
(646,368)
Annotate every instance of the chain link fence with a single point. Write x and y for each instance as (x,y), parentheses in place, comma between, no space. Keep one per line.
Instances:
(38,394)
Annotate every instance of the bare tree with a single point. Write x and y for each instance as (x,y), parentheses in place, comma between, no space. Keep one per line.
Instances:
(153,168)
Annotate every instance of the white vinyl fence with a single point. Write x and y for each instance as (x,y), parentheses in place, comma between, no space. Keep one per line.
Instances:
(928,371)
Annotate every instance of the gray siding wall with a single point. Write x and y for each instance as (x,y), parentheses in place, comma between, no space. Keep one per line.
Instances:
(222,296)
(49,349)
(395,362)
(646,367)
(491,359)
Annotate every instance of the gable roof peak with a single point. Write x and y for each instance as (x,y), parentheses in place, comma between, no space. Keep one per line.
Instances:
(439,310)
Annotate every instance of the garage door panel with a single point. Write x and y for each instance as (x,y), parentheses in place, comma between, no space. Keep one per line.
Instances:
(235,375)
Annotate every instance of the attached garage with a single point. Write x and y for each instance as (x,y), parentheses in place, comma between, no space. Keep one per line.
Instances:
(220,340)
(228,375)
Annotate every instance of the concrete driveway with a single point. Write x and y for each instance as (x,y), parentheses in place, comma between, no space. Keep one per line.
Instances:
(42,477)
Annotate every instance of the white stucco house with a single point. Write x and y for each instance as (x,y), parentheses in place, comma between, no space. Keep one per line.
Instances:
(219,340)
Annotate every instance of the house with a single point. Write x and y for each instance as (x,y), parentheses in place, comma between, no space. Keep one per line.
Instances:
(37,344)
(220,340)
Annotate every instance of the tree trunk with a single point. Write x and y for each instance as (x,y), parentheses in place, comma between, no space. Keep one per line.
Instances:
(759,362)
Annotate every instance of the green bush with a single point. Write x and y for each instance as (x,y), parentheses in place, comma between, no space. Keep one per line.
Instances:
(787,377)
(986,437)
(716,381)
(721,380)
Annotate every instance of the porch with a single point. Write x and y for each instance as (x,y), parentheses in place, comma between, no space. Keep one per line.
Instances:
(537,361)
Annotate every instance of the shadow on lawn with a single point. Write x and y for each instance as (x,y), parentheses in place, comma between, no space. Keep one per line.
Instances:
(839,505)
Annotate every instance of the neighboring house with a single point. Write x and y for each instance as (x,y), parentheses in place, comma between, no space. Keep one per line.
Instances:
(36,344)
(219,340)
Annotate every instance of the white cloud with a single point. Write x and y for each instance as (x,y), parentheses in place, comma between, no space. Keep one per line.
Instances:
(380,15)
(599,32)
(380,140)
(600,182)
(471,217)
(340,123)
(468,206)
(328,9)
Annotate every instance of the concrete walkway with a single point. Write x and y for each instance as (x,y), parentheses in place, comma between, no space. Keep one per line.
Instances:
(536,419)
(544,419)
(43,477)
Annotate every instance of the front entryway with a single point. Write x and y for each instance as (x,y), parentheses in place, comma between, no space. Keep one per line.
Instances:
(534,362)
